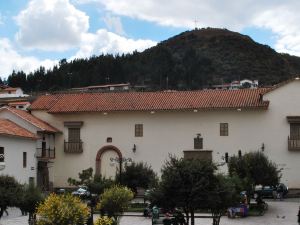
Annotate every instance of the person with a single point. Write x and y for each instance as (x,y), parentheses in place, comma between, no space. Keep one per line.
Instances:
(298,215)
(280,192)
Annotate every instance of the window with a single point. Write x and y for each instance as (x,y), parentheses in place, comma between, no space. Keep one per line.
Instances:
(198,143)
(295,131)
(24,159)
(1,154)
(74,135)
(31,180)
(223,129)
(138,131)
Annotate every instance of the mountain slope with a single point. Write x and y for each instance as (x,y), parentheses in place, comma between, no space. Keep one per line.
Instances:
(191,60)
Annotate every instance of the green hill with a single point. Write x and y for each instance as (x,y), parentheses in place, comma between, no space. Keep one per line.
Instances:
(191,60)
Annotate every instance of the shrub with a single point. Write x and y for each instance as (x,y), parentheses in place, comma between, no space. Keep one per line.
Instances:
(10,192)
(115,200)
(104,220)
(137,175)
(62,210)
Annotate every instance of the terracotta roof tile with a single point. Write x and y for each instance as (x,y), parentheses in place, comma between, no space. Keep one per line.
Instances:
(9,128)
(32,119)
(147,101)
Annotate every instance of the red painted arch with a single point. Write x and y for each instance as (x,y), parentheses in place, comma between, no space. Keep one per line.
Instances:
(100,153)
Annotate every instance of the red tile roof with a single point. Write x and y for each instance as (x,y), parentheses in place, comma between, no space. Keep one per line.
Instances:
(9,128)
(18,103)
(147,101)
(31,119)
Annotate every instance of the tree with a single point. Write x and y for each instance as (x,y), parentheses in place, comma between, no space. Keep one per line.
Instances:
(30,198)
(10,191)
(62,210)
(96,184)
(191,185)
(137,175)
(254,168)
(114,201)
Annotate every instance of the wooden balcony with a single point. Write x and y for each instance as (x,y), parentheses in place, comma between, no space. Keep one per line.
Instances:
(43,153)
(73,147)
(294,144)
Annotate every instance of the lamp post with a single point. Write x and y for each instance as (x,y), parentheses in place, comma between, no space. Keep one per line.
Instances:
(120,160)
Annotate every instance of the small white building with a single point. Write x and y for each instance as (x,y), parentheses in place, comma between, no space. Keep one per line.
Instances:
(17,152)
(30,140)
(11,92)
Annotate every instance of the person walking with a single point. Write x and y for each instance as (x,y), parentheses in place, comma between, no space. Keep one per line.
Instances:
(298,215)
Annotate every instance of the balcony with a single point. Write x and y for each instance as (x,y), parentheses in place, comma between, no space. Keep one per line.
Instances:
(294,144)
(73,147)
(43,153)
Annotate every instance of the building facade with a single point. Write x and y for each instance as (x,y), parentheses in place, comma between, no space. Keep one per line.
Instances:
(27,146)
(100,128)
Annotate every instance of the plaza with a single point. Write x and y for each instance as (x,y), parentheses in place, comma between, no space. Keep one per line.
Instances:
(279,213)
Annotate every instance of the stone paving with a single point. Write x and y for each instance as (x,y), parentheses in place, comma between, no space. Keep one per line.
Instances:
(279,213)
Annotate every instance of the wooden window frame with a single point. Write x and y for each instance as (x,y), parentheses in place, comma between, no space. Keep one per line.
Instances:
(198,143)
(2,159)
(72,135)
(24,159)
(224,129)
(139,130)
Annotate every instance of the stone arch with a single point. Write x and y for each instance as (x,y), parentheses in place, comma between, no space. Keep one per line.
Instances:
(100,153)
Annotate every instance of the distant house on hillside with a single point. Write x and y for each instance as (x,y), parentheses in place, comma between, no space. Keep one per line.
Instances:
(234,85)
(103,88)
(98,129)
(10,92)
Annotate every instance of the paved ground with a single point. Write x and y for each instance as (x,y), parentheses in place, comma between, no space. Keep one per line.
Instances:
(280,212)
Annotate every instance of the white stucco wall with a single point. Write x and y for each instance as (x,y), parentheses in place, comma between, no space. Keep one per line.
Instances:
(173,132)
(13,152)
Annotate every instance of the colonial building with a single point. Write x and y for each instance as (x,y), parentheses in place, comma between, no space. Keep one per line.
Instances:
(27,147)
(100,128)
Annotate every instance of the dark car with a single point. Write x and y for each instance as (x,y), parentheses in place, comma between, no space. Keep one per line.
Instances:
(269,191)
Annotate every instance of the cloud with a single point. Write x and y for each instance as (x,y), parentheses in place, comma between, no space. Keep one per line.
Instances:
(104,41)
(11,60)
(279,16)
(114,24)
(54,25)
(284,22)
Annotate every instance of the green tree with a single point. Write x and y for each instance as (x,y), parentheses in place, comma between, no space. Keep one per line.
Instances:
(95,183)
(254,168)
(30,198)
(114,201)
(62,210)
(137,175)
(191,185)
(10,192)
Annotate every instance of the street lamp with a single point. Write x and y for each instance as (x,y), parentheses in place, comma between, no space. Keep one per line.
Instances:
(121,160)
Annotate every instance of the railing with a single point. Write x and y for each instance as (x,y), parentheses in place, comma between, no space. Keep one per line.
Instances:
(73,147)
(1,157)
(45,153)
(294,144)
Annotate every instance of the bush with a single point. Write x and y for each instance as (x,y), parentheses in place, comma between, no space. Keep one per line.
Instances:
(10,192)
(62,210)
(114,201)
(104,220)
(137,175)
(30,198)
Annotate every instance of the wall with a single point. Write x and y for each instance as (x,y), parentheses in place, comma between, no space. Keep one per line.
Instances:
(173,132)
(13,152)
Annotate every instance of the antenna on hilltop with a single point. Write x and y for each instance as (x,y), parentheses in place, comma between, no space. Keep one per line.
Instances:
(196,23)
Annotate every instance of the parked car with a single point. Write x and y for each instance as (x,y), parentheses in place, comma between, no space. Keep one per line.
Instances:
(82,192)
(269,191)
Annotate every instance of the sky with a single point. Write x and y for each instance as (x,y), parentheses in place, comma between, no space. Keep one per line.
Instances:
(37,33)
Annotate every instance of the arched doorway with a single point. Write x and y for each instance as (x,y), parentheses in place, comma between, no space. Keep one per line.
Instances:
(104,165)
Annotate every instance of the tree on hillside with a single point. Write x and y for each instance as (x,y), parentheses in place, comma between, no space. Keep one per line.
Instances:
(254,168)
(190,185)
(10,192)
